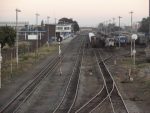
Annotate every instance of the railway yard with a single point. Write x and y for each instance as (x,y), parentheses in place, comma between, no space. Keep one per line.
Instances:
(91,80)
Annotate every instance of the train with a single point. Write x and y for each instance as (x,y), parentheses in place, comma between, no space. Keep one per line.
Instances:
(93,40)
(101,40)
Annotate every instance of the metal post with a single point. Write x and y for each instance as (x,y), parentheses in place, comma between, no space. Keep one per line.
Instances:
(131,34)
(134,54)
(106,28)
(0,66)
(11,66)
(40,39)
(48,30)
(119,31)
(37,34)
(17,10)
(113,23)
(60,58)
(149,28)
(55,29)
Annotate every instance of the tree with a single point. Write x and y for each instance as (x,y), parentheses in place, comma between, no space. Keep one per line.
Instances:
(144,25)
(76,26)
(7,36)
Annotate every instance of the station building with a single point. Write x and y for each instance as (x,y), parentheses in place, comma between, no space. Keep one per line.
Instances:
(65,30)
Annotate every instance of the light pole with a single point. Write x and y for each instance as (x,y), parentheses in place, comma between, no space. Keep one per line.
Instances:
(37,33)
(109,26)
(131,33)
(119,30)
(55,28)
(48,30)
(0,66)
(17,10)
(113,23)
(149,26)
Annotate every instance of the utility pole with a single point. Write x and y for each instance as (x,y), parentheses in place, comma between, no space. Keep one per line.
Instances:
(55,28)
(149,26)
(37,43)
(109,26)
(48,30)
(17,59)
(131,33)
(113,23)
(119,30)
(0,67)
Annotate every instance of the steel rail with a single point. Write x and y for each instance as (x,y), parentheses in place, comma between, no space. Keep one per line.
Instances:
(77,63)
(118,92)
(101,102)
(104,78)
(51,69)
(27,90)
(90,101)
(100,96)
(77,89)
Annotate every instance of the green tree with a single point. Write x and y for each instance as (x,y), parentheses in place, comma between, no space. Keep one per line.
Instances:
(76,26)
(144,25)
(7,36)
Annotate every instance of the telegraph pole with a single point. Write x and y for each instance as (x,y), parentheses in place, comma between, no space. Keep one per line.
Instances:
(0,67)
(114,21)
(48,30)
(55,28)
(149,25)
(131,33)
(17,10)
(37,33)
(119,30)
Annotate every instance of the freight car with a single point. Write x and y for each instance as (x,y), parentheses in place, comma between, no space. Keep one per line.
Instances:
(92,39)
(101,40)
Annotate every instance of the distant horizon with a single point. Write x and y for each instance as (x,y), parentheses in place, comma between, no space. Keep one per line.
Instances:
(86,12)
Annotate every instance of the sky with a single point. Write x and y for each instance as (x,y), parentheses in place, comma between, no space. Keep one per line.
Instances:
(85,12)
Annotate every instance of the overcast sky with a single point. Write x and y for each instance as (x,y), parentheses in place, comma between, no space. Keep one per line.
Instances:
(85,12)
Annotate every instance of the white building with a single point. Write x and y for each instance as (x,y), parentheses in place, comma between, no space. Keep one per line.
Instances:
(65,30)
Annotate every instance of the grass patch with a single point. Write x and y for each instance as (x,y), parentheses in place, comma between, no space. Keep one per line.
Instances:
(26,61)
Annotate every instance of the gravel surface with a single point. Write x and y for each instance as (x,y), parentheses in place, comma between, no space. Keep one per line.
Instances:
(136,93)
(12,86)
(91,80)
(50,91)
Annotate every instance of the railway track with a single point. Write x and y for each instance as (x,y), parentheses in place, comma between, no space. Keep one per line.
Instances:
(67,102)
(25,93)
(109,92)
(28,90)
(117,103)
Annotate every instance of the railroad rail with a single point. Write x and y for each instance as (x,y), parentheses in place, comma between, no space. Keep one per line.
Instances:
(109,91)
(67,102)
(117,103)
(24,94)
